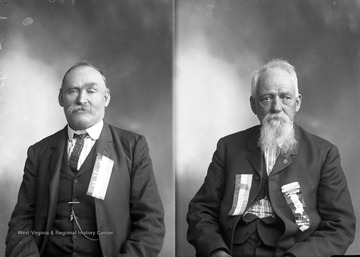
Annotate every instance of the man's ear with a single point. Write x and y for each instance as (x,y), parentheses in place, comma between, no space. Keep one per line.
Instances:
(298,102)
(107,97)
(253,104)
(60,98)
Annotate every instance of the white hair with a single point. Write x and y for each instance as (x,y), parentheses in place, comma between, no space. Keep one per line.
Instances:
(273,64)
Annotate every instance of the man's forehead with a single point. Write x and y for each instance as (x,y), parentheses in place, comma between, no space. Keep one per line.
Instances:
(275,78)
(83,69)
(275,72)
(84,75)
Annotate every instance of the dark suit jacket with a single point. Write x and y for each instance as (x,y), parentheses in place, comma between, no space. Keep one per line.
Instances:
(315,165)
(132,208)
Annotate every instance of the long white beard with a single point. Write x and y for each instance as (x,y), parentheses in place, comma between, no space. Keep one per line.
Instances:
(277,133)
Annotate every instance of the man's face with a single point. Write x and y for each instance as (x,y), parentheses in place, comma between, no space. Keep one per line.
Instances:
(84,97)
(275,96)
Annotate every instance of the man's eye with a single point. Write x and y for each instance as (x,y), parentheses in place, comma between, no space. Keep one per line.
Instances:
(91,90)
(286,98)
(73,91)
(266,99)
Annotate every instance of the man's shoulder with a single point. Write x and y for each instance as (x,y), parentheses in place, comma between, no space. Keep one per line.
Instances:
(61,134)
(242,135)
(122,134)
(305,135)
(310,138)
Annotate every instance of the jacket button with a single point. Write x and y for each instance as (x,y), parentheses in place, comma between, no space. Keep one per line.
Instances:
(285,161)
(75,181)
(257,177)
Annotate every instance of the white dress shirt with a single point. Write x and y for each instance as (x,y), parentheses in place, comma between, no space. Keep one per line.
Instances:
(94,134)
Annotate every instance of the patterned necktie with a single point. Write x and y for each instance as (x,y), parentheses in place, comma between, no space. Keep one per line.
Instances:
(75,154)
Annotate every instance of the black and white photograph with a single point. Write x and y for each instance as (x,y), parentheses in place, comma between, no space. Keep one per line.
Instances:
(179,128)
(104,67)
(219,45)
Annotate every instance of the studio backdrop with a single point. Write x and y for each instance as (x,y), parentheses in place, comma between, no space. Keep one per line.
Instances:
(220,43)
(131,41)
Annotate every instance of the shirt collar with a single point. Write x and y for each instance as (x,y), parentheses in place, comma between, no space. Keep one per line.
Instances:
(94,131)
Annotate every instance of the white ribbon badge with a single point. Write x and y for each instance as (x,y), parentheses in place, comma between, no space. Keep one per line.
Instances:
(100,177)
(241,193)
(294,199)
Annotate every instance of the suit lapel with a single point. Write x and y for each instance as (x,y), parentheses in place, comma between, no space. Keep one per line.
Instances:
(55,160)
(281,163)
(104,146)
(254,155)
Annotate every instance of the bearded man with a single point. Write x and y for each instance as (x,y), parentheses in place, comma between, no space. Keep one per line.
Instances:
(273,189)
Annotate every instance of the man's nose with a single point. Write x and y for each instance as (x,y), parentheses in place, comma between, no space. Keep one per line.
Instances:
(82,97)
(276,105)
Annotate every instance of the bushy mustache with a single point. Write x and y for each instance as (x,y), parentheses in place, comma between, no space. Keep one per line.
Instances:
(75,107)
(274,117)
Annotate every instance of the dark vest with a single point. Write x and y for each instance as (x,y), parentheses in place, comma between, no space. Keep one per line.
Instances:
(268,229)
(66,238)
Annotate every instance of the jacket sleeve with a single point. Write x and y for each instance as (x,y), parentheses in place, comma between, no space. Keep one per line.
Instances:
(337,228)
(20,240)
(146,209)
(204,232)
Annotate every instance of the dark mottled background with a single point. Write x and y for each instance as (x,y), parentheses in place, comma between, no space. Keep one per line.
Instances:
(220,43)
(130,40)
